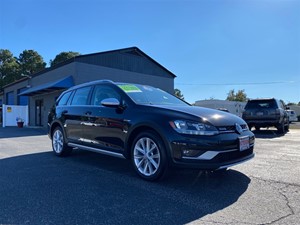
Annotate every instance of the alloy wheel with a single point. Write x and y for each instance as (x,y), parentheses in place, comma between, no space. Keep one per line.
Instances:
(58,141)
(146,156)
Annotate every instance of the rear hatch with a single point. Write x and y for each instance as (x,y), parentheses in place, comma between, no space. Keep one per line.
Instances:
(263,109)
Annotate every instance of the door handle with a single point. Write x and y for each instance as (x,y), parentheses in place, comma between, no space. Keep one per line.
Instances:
(64,112)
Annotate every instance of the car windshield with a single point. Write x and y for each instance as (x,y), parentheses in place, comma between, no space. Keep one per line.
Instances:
(143,94)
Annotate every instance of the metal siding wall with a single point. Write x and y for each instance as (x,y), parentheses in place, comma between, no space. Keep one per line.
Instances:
(54,75)
(126,61)
(88,72)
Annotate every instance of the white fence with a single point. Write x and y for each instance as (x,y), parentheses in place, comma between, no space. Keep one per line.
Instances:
(11,114)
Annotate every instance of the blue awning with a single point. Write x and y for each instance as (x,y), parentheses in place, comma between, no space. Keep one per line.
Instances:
(61,84)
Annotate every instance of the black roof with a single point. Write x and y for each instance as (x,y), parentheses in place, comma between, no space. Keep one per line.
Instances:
(105,59)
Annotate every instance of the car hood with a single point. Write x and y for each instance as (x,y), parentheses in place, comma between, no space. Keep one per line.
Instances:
(214,117)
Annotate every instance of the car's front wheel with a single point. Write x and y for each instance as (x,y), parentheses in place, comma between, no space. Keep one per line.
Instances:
(59,146)
(148,156)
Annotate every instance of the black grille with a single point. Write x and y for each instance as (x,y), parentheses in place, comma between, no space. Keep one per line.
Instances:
(231,156)
(231,128)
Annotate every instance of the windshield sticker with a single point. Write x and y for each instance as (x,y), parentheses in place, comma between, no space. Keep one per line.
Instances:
(129,88)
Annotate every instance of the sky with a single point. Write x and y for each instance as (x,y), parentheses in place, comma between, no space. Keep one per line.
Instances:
(212,46)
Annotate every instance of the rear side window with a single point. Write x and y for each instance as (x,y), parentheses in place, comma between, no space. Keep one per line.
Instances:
(64,99)
(81,96)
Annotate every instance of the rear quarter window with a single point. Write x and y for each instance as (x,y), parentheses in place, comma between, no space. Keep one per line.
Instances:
(64,99)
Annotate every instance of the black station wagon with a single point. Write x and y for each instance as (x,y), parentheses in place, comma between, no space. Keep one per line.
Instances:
(152,128)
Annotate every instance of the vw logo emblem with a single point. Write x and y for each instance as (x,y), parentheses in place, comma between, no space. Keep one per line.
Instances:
(238,128)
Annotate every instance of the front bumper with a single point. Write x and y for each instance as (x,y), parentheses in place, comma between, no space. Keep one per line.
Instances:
(211,153)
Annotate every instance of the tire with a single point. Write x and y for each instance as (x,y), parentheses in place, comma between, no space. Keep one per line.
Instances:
(148,156)
(287,126)
(59,146)
(281,127)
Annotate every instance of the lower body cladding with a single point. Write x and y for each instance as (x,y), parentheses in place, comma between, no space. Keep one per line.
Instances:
(213,153)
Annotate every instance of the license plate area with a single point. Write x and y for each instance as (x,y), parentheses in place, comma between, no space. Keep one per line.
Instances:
(244,143)
(259,113)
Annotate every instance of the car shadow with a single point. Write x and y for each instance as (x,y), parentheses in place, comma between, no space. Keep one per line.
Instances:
(88,188)
(11,132)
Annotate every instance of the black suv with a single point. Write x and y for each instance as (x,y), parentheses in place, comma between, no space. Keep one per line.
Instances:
(266,113)
(152,128)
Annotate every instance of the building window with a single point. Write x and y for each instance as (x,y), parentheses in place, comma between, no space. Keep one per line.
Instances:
(10,98)
(22,100)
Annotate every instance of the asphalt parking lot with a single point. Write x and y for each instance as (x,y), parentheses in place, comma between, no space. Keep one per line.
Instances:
(87,188)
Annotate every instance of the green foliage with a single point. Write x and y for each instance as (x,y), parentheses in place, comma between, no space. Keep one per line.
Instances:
(31,62)
(240,96)
(12,68)
(178,94)
(9,68)
(63,56)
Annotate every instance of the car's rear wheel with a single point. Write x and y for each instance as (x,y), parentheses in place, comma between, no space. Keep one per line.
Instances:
(148,156)
(287,126)
(59,146)
(281,128)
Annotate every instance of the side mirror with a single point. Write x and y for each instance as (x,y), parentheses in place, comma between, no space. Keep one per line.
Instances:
(110,102)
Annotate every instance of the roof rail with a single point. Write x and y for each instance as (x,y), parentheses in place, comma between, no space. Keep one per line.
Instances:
(108,81)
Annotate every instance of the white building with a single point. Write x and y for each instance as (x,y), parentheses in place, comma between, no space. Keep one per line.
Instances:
(232,106)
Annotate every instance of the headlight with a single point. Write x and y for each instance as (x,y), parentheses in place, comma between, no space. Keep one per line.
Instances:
(193,128)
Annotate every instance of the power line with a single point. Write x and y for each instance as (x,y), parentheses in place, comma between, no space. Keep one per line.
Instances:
(251,83)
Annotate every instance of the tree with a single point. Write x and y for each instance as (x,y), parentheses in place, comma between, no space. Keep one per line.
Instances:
(178,94)
(9,68)
(31,62)
(63,56)
(240,96)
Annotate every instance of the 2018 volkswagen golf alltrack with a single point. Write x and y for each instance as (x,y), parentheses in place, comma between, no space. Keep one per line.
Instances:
(149,126)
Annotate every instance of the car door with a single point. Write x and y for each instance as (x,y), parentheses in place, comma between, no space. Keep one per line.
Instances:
(106,128)
(75,114)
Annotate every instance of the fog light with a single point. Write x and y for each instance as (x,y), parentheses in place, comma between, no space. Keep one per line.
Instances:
(190,152)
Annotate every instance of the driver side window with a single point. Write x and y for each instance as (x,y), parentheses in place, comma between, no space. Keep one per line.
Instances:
(102,92)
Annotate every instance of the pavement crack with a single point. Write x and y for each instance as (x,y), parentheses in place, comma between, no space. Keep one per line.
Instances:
(275,181)
(281,192)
